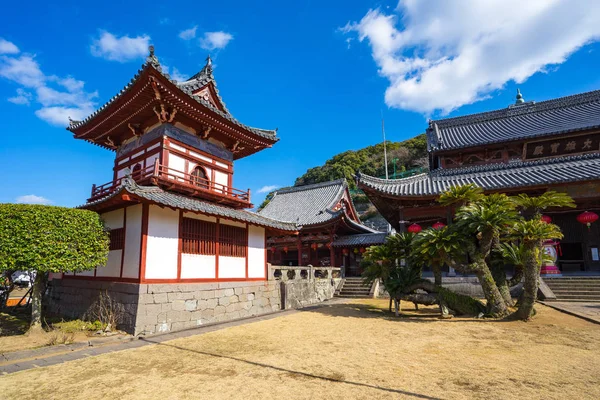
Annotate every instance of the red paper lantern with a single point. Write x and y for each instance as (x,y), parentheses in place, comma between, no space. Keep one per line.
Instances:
(588,218)
(314,246)
(285,248)
(345,252)
(273,249)
(362,250)
(546,219)
(415,228)
(438,225)
(328,245)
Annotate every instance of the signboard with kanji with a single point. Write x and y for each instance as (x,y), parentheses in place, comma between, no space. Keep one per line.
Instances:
(566,146)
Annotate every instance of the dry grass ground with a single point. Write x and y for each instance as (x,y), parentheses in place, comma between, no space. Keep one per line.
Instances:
(344,351)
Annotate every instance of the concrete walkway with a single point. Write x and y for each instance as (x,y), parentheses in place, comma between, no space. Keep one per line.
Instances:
(46,356)
(588,311)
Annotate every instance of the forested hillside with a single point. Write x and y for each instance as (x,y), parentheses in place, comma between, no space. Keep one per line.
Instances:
(408,154)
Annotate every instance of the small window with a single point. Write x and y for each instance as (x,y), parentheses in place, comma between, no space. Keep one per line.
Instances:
(199,177)
(198,237)
(117,239)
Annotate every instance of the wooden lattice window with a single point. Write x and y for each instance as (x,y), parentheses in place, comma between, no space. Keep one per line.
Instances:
(233,241)
(198,237)
(117,239)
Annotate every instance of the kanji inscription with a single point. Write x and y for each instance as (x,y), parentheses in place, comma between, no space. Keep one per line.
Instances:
(563,147)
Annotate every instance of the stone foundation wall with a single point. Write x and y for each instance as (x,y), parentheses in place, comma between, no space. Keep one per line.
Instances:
(158,308)
(301,293)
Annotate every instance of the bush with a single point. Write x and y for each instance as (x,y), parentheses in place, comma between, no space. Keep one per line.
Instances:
(107,311)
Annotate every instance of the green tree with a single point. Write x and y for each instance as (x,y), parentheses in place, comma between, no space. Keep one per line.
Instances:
(532,233)
(49,239)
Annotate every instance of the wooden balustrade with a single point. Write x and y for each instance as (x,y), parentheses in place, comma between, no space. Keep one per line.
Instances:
(172,179)
(309,272)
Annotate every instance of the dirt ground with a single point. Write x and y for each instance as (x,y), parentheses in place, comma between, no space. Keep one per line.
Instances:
(343,351)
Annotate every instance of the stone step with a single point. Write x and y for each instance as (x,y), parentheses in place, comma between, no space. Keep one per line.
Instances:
(357,289)
(582,297)
(352,296)
(574,300)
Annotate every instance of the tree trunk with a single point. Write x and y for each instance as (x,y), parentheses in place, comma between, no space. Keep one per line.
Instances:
(500,278)
(39,286)
(531,272)
(390,307)
(397,307)
(496,305)
(437,273)
(517,277)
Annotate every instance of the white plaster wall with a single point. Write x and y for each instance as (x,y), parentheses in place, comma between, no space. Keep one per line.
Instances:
(162,243)
(151,160)
(200,156)
(113,265)
(221,177)
(199,216)
(177,147)
(133,237)
(232,223)
(232,267)
(222,165)
(113,219)
(256,252)
(85,273)
(176,164)
(197,266)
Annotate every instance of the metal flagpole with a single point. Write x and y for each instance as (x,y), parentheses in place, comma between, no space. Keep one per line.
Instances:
(384,147)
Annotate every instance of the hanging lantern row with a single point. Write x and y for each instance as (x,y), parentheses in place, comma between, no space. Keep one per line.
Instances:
(438,225)
(415,228)
(587,218)
(546,219)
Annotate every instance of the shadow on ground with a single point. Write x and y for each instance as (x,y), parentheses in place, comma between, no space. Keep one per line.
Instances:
(293,372)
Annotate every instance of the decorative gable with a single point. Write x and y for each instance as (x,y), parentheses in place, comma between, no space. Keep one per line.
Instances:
(206,94)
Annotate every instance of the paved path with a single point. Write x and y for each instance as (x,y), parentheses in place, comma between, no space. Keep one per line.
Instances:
(588,311)
(46,356)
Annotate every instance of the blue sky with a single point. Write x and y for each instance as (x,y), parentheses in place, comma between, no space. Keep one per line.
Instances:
(322,72)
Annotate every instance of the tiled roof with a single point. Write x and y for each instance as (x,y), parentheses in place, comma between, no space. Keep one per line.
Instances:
(310,205)
(157,195)
(187,87)
(522,121)
(306,205)
(490,177)
(367,239)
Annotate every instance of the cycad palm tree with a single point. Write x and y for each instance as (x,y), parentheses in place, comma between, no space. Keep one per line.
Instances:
(532,233)
(533,206)
(461,195)
(435,247)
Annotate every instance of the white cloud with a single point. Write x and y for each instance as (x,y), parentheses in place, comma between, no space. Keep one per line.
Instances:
(215,40)
(7,47)
(440,55)
(174,73)
(267,189)
(188,34)
(23,97)
(32,199)
(121,49)
(59,98)
(23,70)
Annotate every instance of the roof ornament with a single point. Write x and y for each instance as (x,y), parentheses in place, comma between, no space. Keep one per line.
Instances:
(152,59)
(520,99)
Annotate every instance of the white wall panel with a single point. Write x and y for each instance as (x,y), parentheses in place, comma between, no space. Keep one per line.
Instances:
(133,237)
(113,219)
(162,243)
(196,266)
(256,252)
(221,177)
(176,164)
(232,267)
(113,265)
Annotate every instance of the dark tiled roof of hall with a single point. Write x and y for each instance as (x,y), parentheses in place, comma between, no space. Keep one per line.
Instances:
(520,121)
(490,177)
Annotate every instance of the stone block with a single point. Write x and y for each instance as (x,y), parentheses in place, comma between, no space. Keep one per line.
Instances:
(250,296)
(233,315)
(162,318)
(151,309)
(238,290)
(242,297)
(166,307)
(224,301)
(246,305)
(220,310)
(231,308)
(233,299)
(160,298)
(143,298)
(211,303)
(178,305)
(201,305)
(190,305)
(208,313)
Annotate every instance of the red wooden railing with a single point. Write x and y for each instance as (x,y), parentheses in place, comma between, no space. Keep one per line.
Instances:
(177,180)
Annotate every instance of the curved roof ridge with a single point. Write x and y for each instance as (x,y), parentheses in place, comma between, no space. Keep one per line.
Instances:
(312,186)
(513,110)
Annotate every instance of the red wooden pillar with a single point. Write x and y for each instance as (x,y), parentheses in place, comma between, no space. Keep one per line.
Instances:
(299,252)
